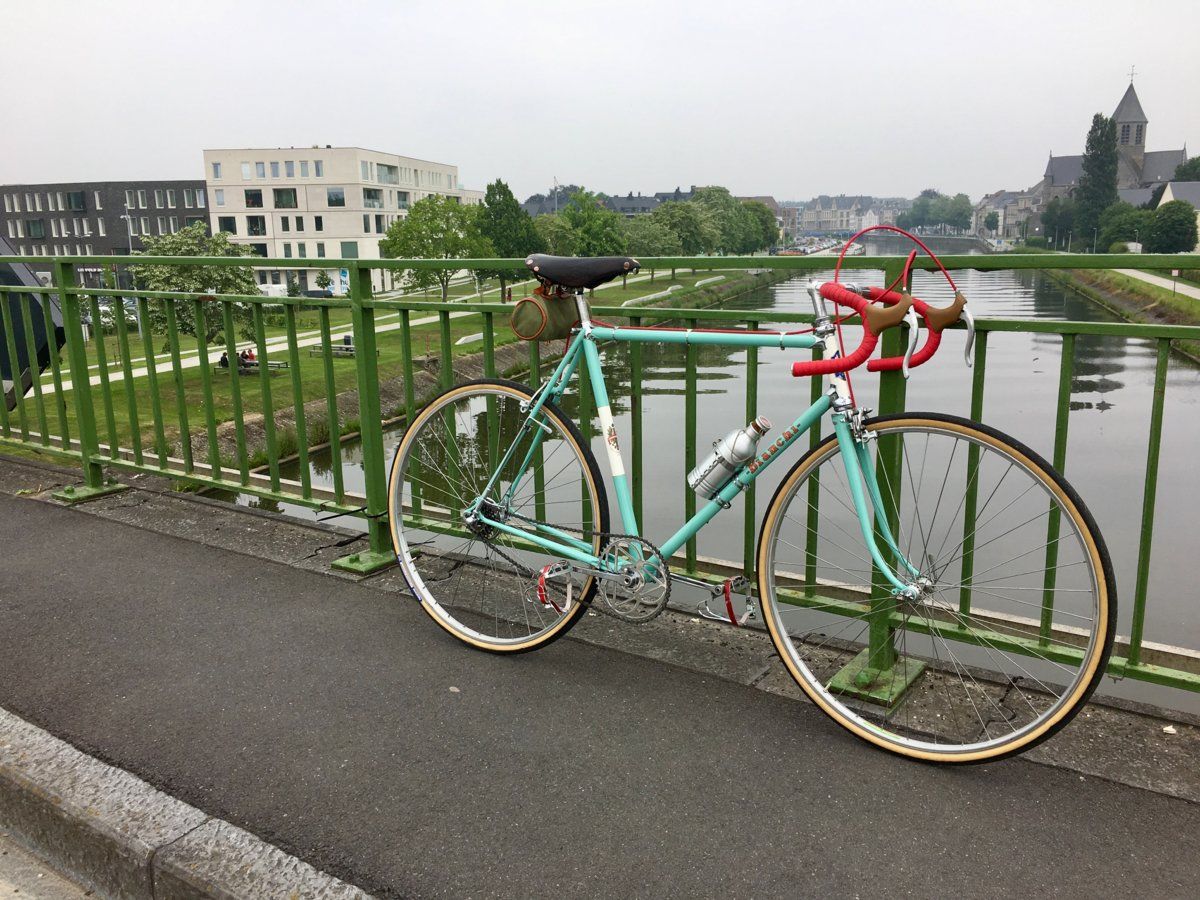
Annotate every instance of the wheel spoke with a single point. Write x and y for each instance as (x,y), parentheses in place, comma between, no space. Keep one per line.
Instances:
(964,684)
(481,583)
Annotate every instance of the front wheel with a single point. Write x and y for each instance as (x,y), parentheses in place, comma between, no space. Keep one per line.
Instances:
(1009,621)
(473,460)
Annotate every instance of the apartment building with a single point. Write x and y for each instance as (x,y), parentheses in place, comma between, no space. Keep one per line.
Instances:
(318,202)
(95,217)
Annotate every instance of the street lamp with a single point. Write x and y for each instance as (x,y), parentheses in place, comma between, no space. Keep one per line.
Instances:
(129,234)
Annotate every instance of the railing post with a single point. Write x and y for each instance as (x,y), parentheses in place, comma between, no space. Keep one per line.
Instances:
(1149,491)
(94,482)
(379,555)
(749,515)
(884,676)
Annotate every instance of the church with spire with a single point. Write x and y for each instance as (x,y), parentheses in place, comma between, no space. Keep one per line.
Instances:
(1139,170)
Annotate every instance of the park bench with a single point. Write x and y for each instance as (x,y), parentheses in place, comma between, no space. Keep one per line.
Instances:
(249,366)
(346,351)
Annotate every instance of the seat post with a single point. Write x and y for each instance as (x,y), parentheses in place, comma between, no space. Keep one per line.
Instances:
(585,312)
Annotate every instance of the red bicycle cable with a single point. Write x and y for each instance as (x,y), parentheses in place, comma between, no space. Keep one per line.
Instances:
(912,237)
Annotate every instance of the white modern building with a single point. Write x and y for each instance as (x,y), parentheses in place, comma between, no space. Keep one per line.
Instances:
(317,202)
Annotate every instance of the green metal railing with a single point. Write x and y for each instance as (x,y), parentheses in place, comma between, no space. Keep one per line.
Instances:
(229,429)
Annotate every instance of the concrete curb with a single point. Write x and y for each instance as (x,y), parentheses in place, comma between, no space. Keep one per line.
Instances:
(121,837)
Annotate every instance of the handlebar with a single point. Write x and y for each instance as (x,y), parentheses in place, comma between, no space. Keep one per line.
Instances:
(898,306)
(876,320)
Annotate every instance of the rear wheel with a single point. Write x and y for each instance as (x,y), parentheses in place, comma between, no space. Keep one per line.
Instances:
(490,588)
(1011,619)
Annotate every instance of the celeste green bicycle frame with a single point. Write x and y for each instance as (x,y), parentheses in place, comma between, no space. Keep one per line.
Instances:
(859,473)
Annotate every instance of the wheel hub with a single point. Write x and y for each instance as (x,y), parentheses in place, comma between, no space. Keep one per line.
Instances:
(475,521)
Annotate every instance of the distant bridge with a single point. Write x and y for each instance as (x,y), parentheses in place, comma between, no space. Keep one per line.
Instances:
(956,242)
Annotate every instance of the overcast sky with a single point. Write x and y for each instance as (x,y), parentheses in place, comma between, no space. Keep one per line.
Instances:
(790,99)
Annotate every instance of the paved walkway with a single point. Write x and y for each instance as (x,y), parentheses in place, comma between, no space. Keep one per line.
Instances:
(334,720)
(1180,287)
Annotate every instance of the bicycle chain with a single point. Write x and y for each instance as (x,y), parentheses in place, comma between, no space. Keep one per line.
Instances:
(607,537)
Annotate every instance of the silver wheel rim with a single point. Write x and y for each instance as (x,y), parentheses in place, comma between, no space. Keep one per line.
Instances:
(492,561)
(977,683)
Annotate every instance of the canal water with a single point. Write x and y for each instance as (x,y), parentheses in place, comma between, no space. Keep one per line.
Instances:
(1108,423)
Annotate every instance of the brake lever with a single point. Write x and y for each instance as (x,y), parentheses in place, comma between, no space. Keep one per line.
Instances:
(966,316)
(910,319)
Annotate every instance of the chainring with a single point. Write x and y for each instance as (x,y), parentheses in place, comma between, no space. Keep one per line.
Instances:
(642,590)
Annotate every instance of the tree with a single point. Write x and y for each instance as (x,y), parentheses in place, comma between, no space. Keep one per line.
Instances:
(323,280)
(1058,221)
(195,241)
(646,237)
(991,221)
(509,229)
(691,223)
(1097,189)
(436,227)
(557,235)
(735,227)
(958,212)
(1173,228)
(598,230)
(920,213)
(1188,171)
(1122,223)
(766,233)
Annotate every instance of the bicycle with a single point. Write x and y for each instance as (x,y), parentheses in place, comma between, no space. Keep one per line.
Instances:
(931,584)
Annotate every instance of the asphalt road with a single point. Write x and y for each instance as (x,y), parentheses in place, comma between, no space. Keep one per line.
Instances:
(300,707)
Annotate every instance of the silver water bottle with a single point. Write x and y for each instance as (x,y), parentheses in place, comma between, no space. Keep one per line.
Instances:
(729,454)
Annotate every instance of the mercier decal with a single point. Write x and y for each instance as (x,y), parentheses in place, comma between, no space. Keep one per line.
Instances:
(780,442)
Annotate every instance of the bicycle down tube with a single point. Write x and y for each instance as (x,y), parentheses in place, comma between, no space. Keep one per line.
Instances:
(861,476)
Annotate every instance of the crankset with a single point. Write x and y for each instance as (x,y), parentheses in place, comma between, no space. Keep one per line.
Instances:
(634,582)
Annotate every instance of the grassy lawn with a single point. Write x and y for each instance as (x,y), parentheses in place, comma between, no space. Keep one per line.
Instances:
(426,342)
(1179,307)
(306,320)
(1136,299)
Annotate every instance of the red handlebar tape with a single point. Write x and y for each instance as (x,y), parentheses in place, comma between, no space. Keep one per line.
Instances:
(839,294)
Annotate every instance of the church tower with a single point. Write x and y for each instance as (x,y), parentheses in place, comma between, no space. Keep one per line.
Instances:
(1131,129)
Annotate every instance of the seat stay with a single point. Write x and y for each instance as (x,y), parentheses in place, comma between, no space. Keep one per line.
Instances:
(554,387)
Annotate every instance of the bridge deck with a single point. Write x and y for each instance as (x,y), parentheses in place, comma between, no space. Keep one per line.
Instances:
(318,713)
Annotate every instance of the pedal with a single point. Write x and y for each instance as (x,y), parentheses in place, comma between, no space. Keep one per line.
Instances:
(725,590)
(550,573)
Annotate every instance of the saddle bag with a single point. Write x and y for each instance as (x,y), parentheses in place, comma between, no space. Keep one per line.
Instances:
(546,315)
